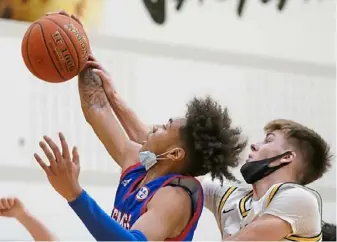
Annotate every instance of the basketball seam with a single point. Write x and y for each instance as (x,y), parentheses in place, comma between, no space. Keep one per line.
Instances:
(27,48)
(78,57)
(45,43)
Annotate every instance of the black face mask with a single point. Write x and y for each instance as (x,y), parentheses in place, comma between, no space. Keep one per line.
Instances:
(256,170)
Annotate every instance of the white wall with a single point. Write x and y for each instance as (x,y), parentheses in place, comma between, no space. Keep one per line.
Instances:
(270,76)
(304,31)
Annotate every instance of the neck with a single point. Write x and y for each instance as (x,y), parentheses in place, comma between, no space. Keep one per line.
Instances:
(261,187)
(158,170)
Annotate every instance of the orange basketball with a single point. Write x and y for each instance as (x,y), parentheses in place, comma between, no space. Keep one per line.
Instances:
(55,48)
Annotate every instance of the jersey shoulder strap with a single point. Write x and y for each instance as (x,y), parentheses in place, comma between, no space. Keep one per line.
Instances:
(277,188)
(133,171)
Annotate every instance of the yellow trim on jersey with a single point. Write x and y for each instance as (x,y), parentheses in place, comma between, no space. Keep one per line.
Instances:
(298,238)
(273,193)
(242,204)
(224,199)
(291,237)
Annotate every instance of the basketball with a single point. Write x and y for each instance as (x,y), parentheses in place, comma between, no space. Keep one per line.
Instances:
(55,48)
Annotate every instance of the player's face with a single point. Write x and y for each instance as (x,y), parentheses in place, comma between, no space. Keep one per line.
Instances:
(272,145)
(164,137)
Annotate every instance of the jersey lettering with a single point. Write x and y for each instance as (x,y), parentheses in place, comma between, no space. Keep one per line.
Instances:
(122,219)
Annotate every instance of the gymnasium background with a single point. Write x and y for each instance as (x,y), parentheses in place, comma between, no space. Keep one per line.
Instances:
(263,59)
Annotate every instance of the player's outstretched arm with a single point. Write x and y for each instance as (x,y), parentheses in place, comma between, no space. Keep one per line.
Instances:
(99,115)
(63,173)
(13,207)
(165,217)
(134,127)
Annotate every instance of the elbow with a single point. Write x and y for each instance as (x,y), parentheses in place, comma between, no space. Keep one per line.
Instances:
(87,118)
(93,116)
(87,115)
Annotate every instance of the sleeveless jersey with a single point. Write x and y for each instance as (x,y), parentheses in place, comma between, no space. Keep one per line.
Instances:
(234,208)
(131,201)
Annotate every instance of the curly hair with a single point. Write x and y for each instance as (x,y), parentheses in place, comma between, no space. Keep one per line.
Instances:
(328,231)
(211,143)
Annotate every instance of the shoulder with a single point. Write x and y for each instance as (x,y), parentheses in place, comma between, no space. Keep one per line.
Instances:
(292,194)
(171,196)
(167,202)
(298,206)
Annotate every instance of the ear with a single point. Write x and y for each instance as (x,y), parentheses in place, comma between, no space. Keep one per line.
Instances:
(177,154)
(288,157)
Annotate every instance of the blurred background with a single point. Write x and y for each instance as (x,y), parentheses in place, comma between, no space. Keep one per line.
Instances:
(263,59)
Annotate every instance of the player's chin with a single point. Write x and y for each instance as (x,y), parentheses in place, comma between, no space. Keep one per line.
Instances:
(143,148)
(250,160)
(146,146)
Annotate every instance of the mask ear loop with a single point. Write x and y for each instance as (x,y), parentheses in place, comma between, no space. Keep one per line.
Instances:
(281,155)
(282,164)
(159,157)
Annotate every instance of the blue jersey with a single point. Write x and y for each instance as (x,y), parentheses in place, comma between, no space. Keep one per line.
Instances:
(131,200)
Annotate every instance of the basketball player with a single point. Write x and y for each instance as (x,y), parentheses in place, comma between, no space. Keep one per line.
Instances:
(157,198)
(13,208)
(277,206)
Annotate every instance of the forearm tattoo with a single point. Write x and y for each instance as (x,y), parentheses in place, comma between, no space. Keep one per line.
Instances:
(91,90)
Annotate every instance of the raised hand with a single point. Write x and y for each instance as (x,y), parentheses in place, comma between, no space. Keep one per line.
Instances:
(66,14)
(63,170)
(11,207)
(107,83)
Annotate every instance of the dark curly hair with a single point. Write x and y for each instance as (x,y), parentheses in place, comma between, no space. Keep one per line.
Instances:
(211,143)
(328,232)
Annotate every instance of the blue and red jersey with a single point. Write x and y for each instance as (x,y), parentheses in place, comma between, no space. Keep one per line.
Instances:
(131,200)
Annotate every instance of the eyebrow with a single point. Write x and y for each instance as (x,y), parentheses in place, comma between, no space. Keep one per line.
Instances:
(269,134)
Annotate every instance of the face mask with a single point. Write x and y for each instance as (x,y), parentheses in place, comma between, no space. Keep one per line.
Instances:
(256,170)
(149,159)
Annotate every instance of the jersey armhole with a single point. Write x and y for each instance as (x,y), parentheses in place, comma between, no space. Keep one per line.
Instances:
(293,236)
(196,212)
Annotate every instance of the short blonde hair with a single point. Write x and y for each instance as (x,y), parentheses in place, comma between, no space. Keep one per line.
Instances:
(315,150)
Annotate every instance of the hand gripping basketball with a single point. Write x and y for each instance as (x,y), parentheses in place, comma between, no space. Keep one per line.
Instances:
(62,12)
(55,48)
(108,85)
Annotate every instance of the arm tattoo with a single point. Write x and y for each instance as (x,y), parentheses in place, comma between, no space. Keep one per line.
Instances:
(91,90)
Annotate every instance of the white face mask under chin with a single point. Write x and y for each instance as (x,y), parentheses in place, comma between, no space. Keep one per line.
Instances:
(149,159)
